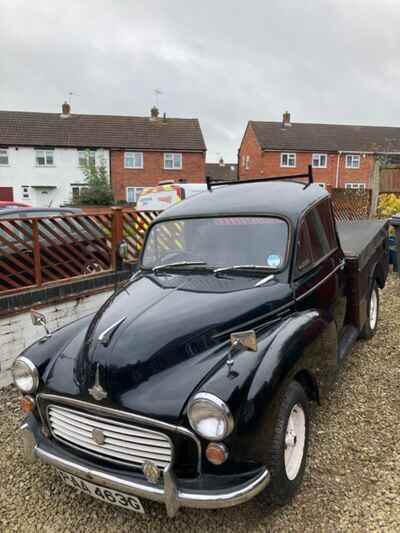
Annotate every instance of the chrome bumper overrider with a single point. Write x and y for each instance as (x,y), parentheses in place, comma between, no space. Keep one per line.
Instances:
(169,494)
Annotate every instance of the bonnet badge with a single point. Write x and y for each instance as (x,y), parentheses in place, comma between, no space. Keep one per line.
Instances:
(97,392)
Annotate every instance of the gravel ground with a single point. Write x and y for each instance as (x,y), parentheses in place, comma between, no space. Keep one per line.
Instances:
(351,484)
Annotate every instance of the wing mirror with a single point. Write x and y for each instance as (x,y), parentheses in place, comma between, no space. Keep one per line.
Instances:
(39,319)
(244,339)
(123,250)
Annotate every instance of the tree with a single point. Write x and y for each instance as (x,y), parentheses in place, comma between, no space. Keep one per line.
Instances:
(98,190)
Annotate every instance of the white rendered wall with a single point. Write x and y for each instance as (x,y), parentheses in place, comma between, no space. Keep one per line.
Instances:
(23,171)
(17,332)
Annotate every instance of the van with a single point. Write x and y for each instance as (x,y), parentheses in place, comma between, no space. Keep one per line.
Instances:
(163,196)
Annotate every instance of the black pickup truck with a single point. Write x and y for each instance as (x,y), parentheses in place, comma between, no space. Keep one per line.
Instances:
(192,384)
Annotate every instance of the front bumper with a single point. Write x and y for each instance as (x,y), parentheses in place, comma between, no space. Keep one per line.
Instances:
(172,492)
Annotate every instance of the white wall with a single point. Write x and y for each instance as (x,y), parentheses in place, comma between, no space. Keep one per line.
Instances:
(22,170)
(17,332)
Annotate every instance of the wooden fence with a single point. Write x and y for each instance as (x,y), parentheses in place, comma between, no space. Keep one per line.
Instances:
(36,252)
(350,204)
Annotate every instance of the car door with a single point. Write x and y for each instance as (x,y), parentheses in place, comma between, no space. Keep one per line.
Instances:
(319,281)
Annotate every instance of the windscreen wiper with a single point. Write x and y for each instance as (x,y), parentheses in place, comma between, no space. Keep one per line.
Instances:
(261,268)
(178,264)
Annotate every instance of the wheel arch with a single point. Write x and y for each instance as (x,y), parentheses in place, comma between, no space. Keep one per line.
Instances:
(309,383)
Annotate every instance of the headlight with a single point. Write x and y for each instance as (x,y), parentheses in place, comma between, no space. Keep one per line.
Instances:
(210,417)
(25,375)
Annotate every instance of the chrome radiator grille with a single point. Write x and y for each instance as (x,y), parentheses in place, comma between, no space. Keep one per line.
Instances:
(108,438)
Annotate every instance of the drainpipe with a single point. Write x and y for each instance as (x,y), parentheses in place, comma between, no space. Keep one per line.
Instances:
(337,169)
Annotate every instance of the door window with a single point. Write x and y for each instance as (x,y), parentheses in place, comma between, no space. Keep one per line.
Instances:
(317,237)
(303,248)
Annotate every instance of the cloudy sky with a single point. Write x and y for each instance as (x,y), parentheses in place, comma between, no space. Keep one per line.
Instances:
(323,60)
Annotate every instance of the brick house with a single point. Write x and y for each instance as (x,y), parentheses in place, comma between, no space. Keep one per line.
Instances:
(222,171)
(341,155)
(41,153)
(154,149)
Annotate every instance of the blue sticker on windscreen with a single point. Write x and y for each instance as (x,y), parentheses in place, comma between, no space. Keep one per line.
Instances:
(273,260)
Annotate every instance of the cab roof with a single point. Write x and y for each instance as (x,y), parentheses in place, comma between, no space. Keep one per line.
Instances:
(283,198)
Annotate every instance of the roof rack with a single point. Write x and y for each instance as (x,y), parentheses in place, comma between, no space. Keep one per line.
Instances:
(215,183)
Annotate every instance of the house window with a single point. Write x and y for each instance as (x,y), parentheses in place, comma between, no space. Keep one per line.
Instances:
(25,192)
(172,161)
(247,164)
(132,194)
(352,161)
(77,191)
(319,160)
(44,158)
(356,186)
(288,160)
(3,156)
(133,160)
(86,157)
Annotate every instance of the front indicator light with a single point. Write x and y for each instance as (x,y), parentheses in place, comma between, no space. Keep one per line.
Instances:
(216,453)
(27,404)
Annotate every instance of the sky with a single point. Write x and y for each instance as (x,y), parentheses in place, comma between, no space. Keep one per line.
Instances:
(223,62)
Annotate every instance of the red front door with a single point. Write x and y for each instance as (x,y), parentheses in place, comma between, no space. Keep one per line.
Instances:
(6,194)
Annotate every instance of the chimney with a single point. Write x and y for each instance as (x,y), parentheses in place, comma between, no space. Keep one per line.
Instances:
(286,120)
(154,112)
(66,110)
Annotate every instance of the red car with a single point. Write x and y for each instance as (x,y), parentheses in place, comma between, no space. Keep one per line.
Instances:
(11,205)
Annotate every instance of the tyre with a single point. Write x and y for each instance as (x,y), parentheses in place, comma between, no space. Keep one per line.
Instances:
(371,324)
(288,445)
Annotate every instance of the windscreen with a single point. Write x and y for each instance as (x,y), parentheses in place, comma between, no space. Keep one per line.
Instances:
(219,242)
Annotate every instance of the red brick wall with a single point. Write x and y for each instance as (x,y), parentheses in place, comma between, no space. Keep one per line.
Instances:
(193,170)
(269,164)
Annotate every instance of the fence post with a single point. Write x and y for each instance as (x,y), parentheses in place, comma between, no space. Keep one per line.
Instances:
(36,252)
(117,230)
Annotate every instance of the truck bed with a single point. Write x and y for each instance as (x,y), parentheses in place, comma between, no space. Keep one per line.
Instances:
(360,239)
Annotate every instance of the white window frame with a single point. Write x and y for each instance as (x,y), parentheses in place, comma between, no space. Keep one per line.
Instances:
(247,164)
(351,159)
(170,156)
(83,156)
(136,157)
(4,153)
(45,155)
(319,157)
(356,186)
(289,156)
(136,192)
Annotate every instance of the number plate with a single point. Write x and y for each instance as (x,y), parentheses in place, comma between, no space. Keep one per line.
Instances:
(121,499)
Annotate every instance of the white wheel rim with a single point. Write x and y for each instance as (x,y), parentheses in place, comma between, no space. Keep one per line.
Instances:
(294,441)
(373,310)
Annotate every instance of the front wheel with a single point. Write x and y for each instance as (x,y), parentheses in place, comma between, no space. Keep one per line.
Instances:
(288,444)
(371,324)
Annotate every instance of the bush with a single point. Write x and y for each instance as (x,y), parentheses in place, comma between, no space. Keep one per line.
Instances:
(98,190)
(388,205)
